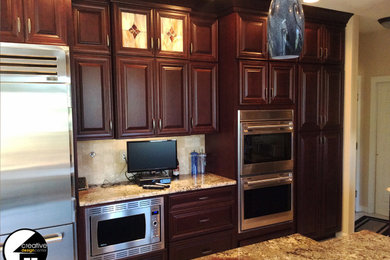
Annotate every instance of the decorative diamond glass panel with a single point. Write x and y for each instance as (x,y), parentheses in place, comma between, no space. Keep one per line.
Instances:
(134,30)
(171,34)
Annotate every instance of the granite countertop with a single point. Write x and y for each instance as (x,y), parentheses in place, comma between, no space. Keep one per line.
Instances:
(116,193)
(362,245)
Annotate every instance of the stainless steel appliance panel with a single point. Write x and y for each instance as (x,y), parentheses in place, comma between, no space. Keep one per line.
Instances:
(59,240)
(36,167)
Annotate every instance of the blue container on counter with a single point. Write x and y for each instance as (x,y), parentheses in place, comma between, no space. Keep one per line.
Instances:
(194,163)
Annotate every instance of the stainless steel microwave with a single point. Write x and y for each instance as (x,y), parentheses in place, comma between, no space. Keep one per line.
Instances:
(122,230)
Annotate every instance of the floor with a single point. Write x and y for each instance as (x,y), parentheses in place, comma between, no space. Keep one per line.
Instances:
(362,213)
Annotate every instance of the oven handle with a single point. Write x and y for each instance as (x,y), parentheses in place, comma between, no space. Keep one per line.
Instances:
(249,128)
(268,182)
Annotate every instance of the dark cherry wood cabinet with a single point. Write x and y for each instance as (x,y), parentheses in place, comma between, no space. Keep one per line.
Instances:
(204,38)
(319,171)
(282,83)
(201,222)
(252,36)
(323,43)
(320,97)
(204,97)
(91,23)
(172,96)
(11,21)
(34,21)
(253,82)
(134,97)
(92,79)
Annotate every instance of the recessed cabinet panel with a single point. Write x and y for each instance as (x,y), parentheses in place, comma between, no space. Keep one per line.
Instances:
(172,91)
(311,51)
(333,97)
(204,97)
(172,34)
(282,85)
(133,30)
(252,36)
(204,34)
(334,44)
(309,97)
(91,28)
(11,21)
(45,21)
(93,92)
(253,83)
(134,96)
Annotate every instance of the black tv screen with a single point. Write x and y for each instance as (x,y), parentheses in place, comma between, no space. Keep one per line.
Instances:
(151,155)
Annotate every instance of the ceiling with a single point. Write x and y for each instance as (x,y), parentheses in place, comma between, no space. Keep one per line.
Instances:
(368,10)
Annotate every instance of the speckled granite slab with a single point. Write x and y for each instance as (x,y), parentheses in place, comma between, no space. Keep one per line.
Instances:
(362,245)
(99,195)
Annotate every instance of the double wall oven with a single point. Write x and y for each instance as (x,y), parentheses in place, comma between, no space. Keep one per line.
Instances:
(265,167)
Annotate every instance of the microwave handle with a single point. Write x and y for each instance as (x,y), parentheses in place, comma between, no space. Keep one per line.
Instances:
(269,182)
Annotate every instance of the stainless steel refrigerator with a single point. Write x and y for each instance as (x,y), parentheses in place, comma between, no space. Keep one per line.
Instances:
(36,163)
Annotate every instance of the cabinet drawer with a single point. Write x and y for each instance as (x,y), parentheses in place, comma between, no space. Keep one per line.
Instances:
(200,246)
(200,198)
(194,222)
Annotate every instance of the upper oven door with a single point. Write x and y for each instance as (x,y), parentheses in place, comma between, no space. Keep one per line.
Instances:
(266,147)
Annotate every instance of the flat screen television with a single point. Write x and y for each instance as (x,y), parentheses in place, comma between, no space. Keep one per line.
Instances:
(156,155)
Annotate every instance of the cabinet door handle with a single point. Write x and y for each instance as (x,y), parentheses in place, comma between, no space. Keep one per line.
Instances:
(207,251)
(158,44)
(152,43)
(272,92)
(18,24)
(159,123)
(321,52)
(29,25)
(203,198)
(192,122)
(204,220)
(191,48)
(154,124)
(108,40)
(110,125)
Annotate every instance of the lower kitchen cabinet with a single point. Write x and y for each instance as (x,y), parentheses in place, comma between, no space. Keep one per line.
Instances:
(319,182)
(200,246)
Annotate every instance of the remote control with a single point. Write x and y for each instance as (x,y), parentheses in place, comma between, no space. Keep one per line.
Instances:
(153,187)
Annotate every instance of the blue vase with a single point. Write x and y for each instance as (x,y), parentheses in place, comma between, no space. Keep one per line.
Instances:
(285,25)
(194,163)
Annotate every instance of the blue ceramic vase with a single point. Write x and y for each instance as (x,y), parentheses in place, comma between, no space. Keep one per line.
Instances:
(286,25)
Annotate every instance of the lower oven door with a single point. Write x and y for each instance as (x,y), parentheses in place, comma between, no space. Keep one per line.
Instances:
(265,200)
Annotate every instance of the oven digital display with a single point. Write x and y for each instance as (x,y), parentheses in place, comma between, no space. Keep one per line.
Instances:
(262,148)
(121,230)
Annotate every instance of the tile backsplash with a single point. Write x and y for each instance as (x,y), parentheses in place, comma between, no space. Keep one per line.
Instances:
(107,166)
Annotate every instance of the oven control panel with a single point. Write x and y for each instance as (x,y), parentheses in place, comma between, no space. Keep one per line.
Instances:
(155,224)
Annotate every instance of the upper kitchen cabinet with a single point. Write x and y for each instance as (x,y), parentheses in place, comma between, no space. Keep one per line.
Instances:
(34,21)
(204,38)
(323,43)
(91,23)
(252,36)
(142,31)
(92,80)
(282,83)
(12,21)
(253,82)
(204,95)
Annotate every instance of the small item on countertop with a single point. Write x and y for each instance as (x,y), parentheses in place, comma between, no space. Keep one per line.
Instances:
(202,163)
(82,183)
(153,187)
(163,185)
(194,163)
(176,172)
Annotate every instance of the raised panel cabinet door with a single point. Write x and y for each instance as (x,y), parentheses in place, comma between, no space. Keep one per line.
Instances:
(253,82)
(172,95)
(204,38)
(309,94)
(312,44)
(92,77)
(134,96)
(308,184)
(332,182)
(203,97)
(133,30)
(332,101)
(252,36)
(333,44)
(282,85)
(46,21)
(11,21)
(172,34)
(91,24)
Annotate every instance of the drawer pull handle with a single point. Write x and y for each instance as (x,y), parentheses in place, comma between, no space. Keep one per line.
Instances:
(207,251)
(204,198)
(49,239)
(204,220)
